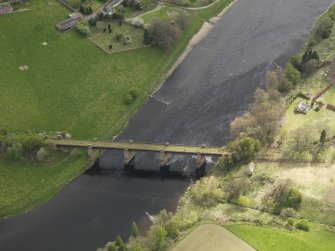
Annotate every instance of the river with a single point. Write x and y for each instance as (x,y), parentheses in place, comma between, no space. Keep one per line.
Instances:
(214,84)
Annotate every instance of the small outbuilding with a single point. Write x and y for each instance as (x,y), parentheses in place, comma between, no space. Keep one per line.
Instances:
(250,168)
(302,108)
(5,8)
(66,25)
(76,16)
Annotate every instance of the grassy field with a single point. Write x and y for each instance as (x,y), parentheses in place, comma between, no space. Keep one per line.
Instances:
(211,237)
(271,239)
(161,14)
(23,185)
(70,85)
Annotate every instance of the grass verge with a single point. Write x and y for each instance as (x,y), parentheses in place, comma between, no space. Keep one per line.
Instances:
(263,238)
(23,185)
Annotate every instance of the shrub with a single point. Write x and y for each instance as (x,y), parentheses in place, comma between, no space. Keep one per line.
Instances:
(323,29)
(311,66)
(287,213)
(15,152)
(292,74)
(294,198)
(83,28)
(128,99)
(243,201)
(207,193)
(134,93)
(118,38)
(290,222)
(302,225)
(245,148)
(32,143)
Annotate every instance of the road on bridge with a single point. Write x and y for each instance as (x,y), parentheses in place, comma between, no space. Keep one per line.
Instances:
(144,147)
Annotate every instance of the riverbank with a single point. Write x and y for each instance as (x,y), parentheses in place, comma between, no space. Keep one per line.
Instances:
(291,164)
(200,35)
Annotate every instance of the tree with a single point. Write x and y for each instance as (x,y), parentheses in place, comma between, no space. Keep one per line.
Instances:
(323,137)
(323,28)
(134,230)
(309,55)
(157,239)
(294,199)
(292,74)
(163,34)
(263,118)
(120,244)
(301,138)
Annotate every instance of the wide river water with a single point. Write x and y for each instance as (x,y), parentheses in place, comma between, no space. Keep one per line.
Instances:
(214,84)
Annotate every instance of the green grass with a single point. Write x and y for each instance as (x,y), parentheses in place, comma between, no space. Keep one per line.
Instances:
(159,14)
(316,120)
(72,85)
(329,96)
(272,239)
(211,237)
(23,185)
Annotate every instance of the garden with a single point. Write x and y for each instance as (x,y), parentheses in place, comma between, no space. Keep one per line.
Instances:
(113,36)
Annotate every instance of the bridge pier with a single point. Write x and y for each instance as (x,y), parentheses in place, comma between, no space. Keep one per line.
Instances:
(92,153)
(164,166)
(164,158)
(200,165)
(128,156)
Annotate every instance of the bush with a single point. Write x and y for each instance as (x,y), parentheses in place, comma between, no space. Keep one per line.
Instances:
(32,143)
(287,213)
(118,38)
(302,225)
(15,152)
(311,66)
(206,192)
(245,148)
(128,99)
(134,93)
(294,198)
(83,28)
(292,74)
(323,29)
(243,201)
(290,222)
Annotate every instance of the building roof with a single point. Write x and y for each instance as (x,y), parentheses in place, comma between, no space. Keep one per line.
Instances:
(109,6)
(76,15)
(302,108)
(66,24)
(5,4)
